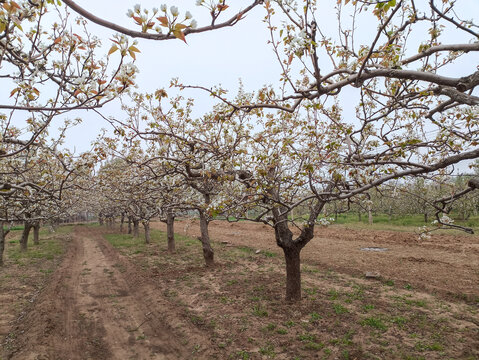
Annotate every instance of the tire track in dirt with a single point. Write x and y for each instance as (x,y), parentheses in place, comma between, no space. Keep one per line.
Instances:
(99,306)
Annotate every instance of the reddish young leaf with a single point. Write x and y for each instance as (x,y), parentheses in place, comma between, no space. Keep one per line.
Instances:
(163,20)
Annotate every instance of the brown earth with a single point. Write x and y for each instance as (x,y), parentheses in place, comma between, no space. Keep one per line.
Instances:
(447,264)
(141,302)
(97,306)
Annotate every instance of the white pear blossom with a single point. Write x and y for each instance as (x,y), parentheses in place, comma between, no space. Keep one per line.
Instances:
(193,24)
(188,15)
(174,11)
(163,7)
(325,221)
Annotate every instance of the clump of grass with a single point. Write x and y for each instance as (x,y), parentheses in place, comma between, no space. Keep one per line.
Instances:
(374,322)
(259,311)
(339,309)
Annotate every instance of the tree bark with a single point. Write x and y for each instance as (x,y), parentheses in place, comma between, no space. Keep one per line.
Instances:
(136,228)
(146,226)
(426,217)
(3,234)
(27,226)
(208,252)
(370,215)
(129,225)
(122,222)
(100,219)
(170,231)
(293,273)
(36,233)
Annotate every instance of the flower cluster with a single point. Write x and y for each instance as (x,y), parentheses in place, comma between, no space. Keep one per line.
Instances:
(445,220)
(325,221)
(424,233)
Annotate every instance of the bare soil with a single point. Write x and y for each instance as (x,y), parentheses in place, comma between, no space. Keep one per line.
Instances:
(446,264)
(138,301)
(97,306)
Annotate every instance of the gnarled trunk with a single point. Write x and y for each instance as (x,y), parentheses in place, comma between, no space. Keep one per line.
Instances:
(136,228)
(36,233)
(208,252)
(129,225)
(291,250)
(27,226)
(146,226)
(170,231)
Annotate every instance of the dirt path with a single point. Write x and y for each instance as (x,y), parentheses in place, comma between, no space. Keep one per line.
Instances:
(447,264)
(98,306)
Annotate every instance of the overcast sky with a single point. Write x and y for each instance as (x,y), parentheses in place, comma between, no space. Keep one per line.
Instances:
(211,58)
(219,57)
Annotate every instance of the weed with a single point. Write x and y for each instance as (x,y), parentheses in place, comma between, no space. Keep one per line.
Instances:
(289,324)
(267,350)
(258,310)
(270,327)
(389,282)
(374,322)
(197,320)
(333,294)
(311,291)
(368,307)
(242,354)
(269,254)
(399,321)
(307,337)
(282,331)
(314,317)
(314,346)
(420,346)
(340,309)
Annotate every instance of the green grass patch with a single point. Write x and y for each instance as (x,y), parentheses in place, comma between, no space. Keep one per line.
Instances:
(374,322)
(47,249)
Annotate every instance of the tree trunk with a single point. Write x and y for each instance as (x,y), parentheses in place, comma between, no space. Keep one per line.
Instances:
(359,216)
(136,228)
(426,217)
(170,232)
(36,233)
(100,219)
(370,215)
(293,273)
(146,226)
(3,234)
(129,225)
(208,252)
(24,239)
(122,222)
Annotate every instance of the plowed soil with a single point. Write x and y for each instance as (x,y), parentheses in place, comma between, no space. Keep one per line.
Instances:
(97,306)
(446,264)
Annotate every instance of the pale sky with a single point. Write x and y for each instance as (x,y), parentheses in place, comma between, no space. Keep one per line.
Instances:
(218,57)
